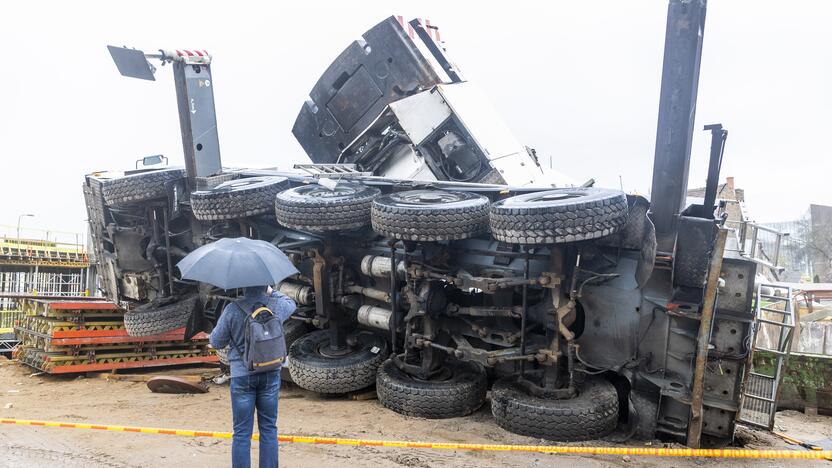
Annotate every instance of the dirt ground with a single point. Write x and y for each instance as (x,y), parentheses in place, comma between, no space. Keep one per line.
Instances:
(96,400)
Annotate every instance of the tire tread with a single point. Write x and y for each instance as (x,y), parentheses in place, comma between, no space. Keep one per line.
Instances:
(562,223)
(590,415)
(432,400)
(332,376)
(141,187)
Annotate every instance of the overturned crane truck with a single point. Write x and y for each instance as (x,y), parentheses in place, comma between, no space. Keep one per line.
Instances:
(437,260)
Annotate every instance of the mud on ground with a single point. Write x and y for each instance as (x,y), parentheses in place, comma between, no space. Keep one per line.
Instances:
(96,400)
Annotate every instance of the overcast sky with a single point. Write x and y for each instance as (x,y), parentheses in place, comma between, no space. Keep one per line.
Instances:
(576,80)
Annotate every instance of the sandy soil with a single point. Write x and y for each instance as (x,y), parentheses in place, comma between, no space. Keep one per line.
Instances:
(95,400)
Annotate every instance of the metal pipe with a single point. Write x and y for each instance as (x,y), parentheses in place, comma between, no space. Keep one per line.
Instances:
(394,301)
(155,242)
(372,293)
(718,137)
(570,364)
(703,340)
(451,351)
(743,235)
(167,248)
(487,311)
(573,293)
(500,253)
(777,252)
(27,215)
(525,310)
(759,227)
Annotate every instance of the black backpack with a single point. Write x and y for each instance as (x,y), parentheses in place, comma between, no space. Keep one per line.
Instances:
(264,348)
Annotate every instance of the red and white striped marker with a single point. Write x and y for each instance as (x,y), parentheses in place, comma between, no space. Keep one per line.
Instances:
(189,56)
(433,31)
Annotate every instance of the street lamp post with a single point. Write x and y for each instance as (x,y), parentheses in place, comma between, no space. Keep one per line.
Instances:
(19,217)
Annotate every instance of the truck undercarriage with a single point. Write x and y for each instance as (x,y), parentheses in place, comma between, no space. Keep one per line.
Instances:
(439,260)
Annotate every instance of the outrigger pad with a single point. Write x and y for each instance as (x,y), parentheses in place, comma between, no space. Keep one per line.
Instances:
(132,63)
(170,384)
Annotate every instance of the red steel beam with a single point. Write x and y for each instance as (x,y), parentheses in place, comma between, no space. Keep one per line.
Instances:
(172,335)
(88,333)
(60,304)
(125,339)
(50,297)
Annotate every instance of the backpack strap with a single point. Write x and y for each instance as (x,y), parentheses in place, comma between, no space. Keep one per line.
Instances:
(270,363)
(260,310)
(240,346)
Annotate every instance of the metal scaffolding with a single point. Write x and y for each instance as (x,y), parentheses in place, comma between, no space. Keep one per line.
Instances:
(38,268)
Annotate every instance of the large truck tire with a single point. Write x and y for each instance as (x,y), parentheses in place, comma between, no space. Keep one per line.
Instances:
(692,256)
(592,414)
(313,367)
(136,188)
(430,215)
(460,394)
(237,198)
(316,208)
(292,330)
(161,316)
(558,216)
(643,415)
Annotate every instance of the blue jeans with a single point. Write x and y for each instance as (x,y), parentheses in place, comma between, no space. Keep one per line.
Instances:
(247,393)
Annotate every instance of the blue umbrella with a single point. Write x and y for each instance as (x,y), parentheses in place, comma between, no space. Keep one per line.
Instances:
(237,263)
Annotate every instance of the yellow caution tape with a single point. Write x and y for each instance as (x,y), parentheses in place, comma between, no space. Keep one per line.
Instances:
(572,450)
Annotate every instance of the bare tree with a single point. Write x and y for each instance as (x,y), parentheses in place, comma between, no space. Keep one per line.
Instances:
(816,232)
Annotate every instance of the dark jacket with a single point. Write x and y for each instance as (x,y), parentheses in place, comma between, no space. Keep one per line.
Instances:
(230,329)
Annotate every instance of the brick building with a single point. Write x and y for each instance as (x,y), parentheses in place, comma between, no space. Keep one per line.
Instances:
(728,192)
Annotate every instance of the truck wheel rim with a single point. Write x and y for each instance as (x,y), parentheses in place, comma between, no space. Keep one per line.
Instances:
(427,197)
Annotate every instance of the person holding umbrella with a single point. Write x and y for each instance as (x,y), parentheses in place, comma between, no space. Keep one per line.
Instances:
(254,266)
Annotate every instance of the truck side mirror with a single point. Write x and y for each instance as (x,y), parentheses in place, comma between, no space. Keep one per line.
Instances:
(151,160)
